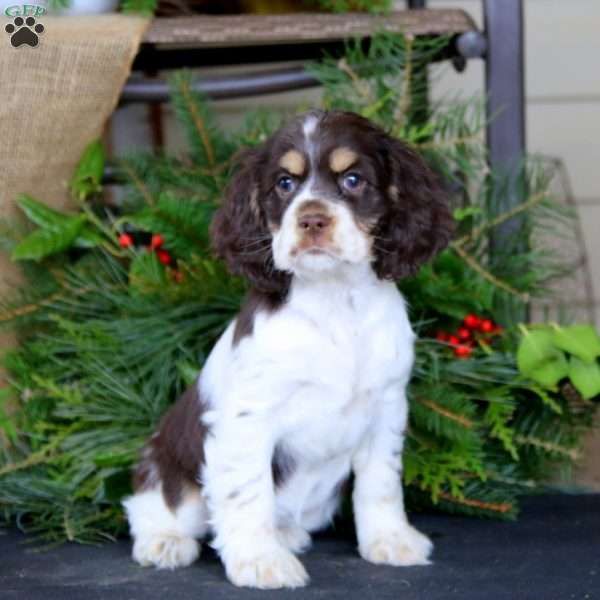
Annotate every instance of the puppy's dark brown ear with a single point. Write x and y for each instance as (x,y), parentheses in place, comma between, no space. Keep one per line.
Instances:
(417,223)
(239,231)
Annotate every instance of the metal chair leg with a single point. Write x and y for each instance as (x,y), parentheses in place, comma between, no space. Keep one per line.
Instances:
(505,90)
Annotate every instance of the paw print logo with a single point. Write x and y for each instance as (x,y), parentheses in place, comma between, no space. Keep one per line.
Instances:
(24,31)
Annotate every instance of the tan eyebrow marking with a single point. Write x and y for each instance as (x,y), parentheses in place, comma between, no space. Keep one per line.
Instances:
(342,158)
(293,162)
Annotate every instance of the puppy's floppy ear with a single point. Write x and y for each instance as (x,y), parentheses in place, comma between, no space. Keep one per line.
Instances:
(239,231)
(417,223)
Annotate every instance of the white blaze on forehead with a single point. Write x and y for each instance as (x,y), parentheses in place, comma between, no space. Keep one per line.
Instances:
(309,126)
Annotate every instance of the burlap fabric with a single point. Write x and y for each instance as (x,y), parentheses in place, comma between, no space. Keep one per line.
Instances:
(54,99)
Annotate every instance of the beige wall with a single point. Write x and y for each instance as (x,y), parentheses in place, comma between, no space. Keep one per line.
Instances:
(562,75)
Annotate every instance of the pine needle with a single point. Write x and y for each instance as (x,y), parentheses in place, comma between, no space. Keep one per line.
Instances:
(460,419)
(499,507)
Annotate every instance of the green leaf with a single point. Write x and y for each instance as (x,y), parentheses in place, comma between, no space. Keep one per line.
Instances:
(88,237)
(49,218)
(540,360)
(41,214)
(549,373)
(44,242)
(580,340)
(585,377)
(88,175)
(535,349)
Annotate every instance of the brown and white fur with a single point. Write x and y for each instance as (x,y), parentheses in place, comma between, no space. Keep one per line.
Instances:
(308,384)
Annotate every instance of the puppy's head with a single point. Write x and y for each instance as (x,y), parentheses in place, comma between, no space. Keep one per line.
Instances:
(329,190)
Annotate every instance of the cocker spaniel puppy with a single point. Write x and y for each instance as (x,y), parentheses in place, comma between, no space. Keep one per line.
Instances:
(308,384)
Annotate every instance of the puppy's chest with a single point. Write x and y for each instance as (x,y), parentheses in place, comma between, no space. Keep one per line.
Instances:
(336,392)
(354,353)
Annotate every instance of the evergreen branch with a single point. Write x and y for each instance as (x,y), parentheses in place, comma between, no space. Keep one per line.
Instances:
(94,518)
(32,307)
(551,447)
(477,232)
(102,228)
(216,170)
(512,481)
(27,309)
(360,84)
(460,419)
(451,142)
(499,507)
(476,266)
(122,336)
(406,86)
(40,456)
(141,7)
(184,89)
(139,184)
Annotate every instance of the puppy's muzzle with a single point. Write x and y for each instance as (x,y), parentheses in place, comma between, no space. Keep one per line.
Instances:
(314,220)
(314,223)
(315,228)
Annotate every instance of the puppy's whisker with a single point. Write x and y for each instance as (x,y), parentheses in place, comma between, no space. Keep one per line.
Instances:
(383,250)
(256,252)
(257,242)
(259,238)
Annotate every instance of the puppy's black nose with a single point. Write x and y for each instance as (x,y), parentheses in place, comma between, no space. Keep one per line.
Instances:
(314,222)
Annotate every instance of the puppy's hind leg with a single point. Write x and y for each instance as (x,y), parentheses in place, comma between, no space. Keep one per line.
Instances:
(164,537)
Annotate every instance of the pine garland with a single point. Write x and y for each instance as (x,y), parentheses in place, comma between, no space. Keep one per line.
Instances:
(121,307)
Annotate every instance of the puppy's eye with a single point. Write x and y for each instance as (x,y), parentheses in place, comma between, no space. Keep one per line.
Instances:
(352,181)
(286,184)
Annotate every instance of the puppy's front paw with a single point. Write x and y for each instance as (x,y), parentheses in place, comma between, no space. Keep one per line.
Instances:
(277,568)
(294,538)
(400,547)
(165,551)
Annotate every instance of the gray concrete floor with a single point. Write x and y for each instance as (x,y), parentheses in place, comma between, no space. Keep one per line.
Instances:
(551,553)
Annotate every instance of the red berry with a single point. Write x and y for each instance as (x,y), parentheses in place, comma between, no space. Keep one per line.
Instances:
(453,340)
(164,257)
(462,351)
(441,336)
(463,333)
(471,321)
(487,326)
(125,240)
(156,242)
